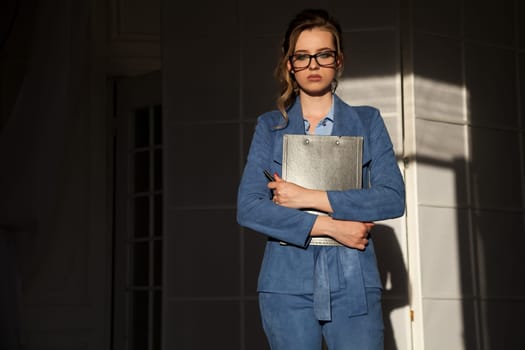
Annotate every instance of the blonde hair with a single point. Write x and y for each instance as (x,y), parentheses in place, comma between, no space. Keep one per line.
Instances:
(304,20)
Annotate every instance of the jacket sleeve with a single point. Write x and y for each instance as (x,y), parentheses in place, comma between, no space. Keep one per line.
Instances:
(384,196)
(255,209)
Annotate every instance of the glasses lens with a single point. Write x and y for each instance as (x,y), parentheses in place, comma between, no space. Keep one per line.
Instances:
(301,60)
(325,58)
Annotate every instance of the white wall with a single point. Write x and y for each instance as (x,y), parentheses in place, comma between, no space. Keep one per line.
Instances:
(464,142)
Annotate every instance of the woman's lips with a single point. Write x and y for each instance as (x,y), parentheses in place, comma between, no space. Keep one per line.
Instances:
(314,77)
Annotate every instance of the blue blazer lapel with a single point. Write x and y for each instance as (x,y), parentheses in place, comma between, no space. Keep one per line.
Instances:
(346,120)
(348,123)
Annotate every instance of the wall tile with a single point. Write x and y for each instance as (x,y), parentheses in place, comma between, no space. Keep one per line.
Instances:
(500,239)
(272,16)
(390,247)
(373,53)
(438,16)
(371,75)
(495,169)
(380,92)
(11,69)
(202,73)
(202,165)
(397,327)
(202,325)
(437,54)
(397,227)
(521,82)
(254,339)
(439,100)
(449,324)
(137,17)
(355,14)
(520,7)
(442,163)
(439,92)
(259,86)
(489,21)
(491,86)
(200,21)
(395,130)
(254,244)
(446,253)
(204,255)
(248,131)
(522,151)
(500,326)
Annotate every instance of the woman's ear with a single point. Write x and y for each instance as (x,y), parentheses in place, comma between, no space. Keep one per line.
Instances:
(289,67)
(340,60)
(340,63)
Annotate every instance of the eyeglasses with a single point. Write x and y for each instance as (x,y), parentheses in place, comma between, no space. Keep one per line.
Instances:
(303,60)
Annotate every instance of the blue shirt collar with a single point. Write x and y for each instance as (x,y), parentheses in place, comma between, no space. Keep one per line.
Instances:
(325,125)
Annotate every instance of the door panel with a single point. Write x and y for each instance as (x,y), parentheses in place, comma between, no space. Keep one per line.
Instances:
(138,213)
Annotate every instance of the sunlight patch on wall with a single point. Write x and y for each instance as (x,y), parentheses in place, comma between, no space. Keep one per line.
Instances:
(381,92)
(435,100)
(440,101)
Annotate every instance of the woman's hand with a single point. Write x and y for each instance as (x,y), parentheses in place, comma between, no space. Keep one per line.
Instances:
(287,194)
(353,234)
(294,196)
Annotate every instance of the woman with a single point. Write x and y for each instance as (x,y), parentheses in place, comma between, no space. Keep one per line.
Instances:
(308,290)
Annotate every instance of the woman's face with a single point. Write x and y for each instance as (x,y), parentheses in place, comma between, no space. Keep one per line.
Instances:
(314,75)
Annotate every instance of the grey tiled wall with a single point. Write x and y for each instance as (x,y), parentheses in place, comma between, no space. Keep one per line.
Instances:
(467,59)
(466,164)
(224,54)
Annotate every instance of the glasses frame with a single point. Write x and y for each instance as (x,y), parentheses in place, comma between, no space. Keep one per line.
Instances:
(315,56)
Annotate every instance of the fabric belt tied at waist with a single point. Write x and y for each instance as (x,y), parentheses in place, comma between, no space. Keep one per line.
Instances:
(352,275)
(322,307)
(355,287)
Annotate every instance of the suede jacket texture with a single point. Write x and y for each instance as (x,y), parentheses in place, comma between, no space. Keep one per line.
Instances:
(289,268)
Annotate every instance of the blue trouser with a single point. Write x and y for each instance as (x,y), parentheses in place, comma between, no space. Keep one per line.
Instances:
(290,323)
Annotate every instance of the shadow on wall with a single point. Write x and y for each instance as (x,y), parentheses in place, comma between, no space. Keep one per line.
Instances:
(394,277)
(8,293)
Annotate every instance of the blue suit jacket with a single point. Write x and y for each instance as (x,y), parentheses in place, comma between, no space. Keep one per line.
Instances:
(289,268)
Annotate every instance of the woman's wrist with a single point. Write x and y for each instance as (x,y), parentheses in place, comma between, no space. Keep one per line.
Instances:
(318,199)
(323,226)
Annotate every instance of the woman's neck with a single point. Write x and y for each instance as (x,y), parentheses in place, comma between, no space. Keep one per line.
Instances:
(315,107)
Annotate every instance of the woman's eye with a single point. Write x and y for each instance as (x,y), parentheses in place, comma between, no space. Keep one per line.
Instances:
(302,57)
(324,55)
